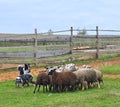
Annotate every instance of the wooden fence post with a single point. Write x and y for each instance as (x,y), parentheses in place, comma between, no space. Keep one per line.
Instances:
(97,42)
(36,48)
(71,43)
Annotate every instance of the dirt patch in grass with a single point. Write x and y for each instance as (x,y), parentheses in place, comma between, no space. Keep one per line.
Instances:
(111,76)
(5,76)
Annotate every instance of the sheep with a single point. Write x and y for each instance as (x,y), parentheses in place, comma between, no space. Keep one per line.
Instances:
(42,79)
(70,67)
(60,68)
(91,76)
(67,68)
(86,66)
(80,79)
(86,75)
(62,80)
(48,69)
(99,74)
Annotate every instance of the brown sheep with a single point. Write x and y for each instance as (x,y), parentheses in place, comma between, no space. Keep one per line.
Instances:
(42,79)
(62,80)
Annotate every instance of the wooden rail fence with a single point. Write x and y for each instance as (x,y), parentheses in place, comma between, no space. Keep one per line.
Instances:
(39,45)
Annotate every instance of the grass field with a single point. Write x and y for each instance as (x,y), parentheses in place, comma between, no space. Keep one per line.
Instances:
(107,96)
(111,69)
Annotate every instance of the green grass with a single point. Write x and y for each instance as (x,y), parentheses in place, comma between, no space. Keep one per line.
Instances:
(16,49)
(107,96)
(111,69)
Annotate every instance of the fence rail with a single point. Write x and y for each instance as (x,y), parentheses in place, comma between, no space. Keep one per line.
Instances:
(35,46)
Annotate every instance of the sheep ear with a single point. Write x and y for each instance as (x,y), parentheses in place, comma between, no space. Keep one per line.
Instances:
(59,66)
(46,67)
(54,69)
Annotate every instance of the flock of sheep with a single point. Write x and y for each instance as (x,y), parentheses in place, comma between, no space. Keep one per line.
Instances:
(68,78)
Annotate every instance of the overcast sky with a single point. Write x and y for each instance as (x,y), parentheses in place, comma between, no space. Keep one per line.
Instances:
(22,16)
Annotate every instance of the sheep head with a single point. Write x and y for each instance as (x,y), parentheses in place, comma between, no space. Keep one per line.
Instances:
(52,71)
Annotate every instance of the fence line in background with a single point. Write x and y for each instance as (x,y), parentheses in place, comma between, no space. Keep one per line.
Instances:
(40,41)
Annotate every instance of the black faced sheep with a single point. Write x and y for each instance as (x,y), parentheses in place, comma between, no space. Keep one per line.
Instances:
(62,80)
(42,79)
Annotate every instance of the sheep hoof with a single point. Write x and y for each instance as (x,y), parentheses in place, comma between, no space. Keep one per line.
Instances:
(82,88)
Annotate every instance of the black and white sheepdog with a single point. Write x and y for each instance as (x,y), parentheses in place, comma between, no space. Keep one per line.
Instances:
(25,77)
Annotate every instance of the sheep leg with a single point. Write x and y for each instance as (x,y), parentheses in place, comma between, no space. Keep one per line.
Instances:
(98,84)
(83,88)
(63,88)
(50,87)
(85,84)
(54,88)
(73,88)
(57,88)
(90,85)
(78,86)
(46,88)
(35,89)
(38,88)
(101,81)
(60,88)
(43,88)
